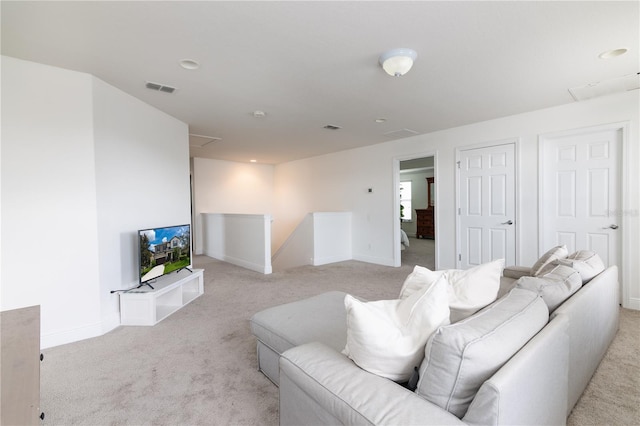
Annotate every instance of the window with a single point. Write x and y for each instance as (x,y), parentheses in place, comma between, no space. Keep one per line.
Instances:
(405,201)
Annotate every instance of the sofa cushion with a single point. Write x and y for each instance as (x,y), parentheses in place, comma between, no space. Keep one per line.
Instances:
(387,337)
(469,290)
(460,357)
(555,286)
(588,264)
(319,318)
(559,252)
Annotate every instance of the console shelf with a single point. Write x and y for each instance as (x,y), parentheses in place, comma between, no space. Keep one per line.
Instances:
(146,306)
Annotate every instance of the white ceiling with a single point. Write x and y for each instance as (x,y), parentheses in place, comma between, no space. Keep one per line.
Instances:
(310,64)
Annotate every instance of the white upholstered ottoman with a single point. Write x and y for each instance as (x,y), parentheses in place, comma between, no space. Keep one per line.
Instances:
(320,318)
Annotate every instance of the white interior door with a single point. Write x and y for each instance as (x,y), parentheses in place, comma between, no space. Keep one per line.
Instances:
(486,205)
(580,184)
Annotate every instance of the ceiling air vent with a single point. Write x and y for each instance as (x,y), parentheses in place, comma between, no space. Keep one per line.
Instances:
(331,127)
(160,87)
(606,87)
(399,134)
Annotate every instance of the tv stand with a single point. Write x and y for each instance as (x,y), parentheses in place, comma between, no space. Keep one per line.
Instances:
(141,306)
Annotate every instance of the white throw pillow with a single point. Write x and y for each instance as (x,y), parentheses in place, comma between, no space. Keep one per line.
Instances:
(469,290)
(588,264)
(555,286)
(538,268)
(387,337)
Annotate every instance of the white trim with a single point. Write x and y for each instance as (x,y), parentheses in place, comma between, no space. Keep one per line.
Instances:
(624,163)
(50,340)
(515,141)
(397,256)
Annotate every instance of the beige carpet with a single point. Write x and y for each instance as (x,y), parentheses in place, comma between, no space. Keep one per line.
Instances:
(198,366)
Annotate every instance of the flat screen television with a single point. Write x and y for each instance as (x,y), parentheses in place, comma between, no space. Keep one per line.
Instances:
(163,250)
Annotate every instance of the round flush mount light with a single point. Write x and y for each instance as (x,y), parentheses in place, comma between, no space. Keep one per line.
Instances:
(398,62)
(189,64)
(613,53)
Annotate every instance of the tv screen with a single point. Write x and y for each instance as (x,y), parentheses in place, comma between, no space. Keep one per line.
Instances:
(164,250)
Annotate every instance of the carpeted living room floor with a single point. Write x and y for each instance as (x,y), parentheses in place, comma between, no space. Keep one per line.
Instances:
(198,366)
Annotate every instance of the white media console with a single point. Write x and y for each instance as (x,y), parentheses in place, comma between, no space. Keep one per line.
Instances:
(146,306)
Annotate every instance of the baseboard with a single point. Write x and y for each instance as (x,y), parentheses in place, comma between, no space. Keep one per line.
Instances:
(317,261)
(375,260)
(110,322)
(69,336)
(634,303)
(263,269)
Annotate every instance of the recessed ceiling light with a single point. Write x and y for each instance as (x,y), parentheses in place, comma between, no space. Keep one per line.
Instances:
(380,120)
(253,161)
(613,53)
(259,114)
(189,64)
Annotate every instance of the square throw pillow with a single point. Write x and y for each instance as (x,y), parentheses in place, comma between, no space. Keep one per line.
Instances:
(387,337)
(538,268)
(460,357)
(469,290)
(588,264)
(555,286)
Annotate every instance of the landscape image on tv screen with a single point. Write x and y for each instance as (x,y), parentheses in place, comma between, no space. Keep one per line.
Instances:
(164,250)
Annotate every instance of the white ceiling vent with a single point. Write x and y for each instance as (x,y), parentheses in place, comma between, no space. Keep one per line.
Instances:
(399,134)
(606,87)
(200,141)
(160,87)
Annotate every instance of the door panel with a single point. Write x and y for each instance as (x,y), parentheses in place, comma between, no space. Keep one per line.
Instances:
(486,214)
(580,193)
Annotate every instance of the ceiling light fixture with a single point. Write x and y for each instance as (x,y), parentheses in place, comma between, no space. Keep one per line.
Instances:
(189,64)
(398,62)
(613,53)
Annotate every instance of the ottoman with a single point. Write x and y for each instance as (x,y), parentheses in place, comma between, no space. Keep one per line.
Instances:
(320,318)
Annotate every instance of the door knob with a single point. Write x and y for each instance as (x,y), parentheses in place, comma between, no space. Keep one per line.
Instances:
(612,226)
(509,222)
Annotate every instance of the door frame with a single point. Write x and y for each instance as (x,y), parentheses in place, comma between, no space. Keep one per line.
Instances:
(515,141)
(397,256)
(624,164)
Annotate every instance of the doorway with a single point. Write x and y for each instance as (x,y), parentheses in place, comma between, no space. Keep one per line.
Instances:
(416,200)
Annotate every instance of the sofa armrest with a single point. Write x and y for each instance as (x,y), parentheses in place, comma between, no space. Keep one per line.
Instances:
(321,386)
(516,272)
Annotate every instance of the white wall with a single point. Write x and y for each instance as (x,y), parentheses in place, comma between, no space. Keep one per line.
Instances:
(78,164)
(49,226)
(339,181)
(142,181)
(229,187)
(240,239)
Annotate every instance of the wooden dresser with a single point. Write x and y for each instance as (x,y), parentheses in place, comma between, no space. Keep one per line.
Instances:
(424,223)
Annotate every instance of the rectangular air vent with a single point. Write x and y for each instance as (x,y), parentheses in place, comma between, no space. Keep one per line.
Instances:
(606,87)
(399,134)
(160,87)
(200,141)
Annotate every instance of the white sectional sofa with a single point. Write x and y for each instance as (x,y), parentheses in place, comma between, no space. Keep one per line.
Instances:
(300,348)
